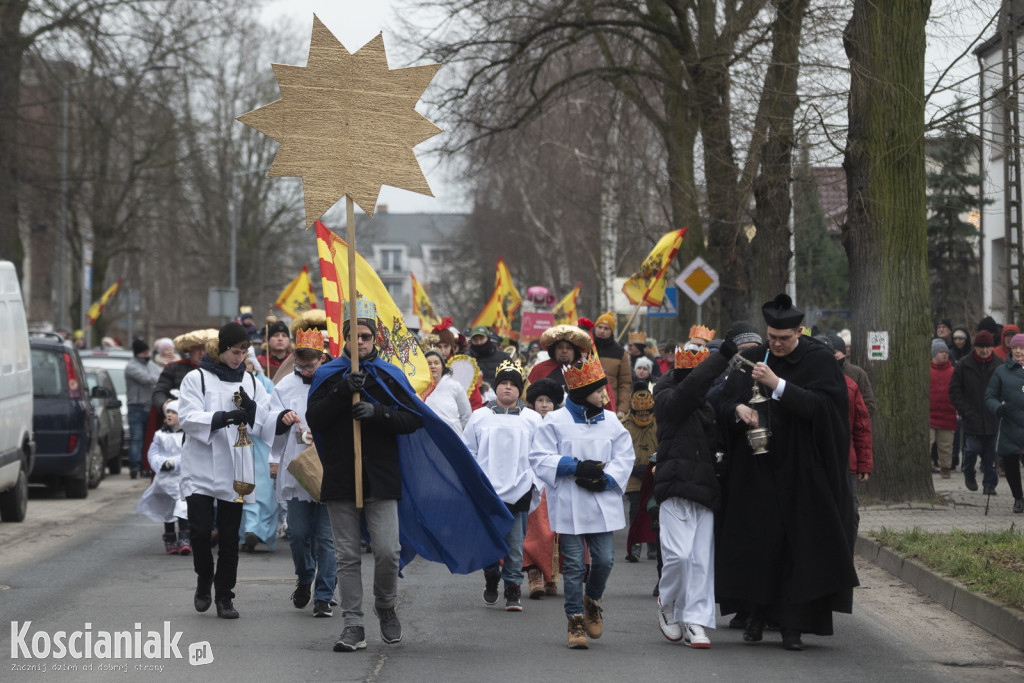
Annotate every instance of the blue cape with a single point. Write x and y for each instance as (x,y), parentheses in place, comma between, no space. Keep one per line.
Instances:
(449,511)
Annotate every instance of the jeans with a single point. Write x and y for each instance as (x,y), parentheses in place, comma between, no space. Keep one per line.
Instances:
(512,569)
(201,514)
(313,547)
(602,550)
(138,418)
(382,522)
(985,446)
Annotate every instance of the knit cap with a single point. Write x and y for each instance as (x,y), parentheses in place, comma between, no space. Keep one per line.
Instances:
(939,346)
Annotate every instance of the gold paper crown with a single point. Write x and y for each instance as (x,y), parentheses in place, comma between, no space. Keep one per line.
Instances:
(691,359)
(589,372)
(510,366)
(309,339)
(637,337)
(702,332)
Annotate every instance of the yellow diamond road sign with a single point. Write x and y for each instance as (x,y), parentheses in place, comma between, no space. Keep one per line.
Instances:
(698,280)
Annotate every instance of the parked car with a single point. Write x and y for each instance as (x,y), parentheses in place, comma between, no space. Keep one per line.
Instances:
(67,451)
(17,444)
(114,362)
(111,432)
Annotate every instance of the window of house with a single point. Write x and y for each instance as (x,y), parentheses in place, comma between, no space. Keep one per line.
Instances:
(391,260)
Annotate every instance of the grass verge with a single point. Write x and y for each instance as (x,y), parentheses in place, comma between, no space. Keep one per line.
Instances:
(991,563)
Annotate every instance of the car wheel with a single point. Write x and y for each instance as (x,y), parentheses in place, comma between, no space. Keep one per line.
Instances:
(96,465)
(14,503)
(76,488)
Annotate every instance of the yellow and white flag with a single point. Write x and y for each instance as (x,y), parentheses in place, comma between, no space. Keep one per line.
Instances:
(647,285)
(565,312)
(422,307)
(298,296)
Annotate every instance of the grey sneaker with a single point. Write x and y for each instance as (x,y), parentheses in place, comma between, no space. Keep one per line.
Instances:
(352,639)
(390,627)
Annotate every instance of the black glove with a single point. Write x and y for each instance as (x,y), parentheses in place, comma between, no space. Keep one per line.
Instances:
(590,469)
(365,411)
(350,384)
(247,404)
(655,514)
(728,348)
(596,484)
(167,466)
(236,417)
(1003,410)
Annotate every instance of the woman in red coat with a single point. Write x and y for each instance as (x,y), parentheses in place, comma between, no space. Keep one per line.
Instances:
(942,414)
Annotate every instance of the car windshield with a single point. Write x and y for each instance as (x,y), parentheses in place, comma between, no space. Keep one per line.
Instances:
(49,374)
(114,368)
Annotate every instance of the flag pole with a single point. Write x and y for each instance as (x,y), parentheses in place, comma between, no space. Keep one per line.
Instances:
(629,322)
(353,345)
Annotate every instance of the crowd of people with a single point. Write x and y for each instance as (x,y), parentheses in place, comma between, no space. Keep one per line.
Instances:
(733,458)
(976,405)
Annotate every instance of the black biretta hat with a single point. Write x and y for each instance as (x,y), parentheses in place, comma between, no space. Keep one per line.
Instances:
(781,314)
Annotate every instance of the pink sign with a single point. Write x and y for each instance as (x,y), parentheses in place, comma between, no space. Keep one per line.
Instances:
(534,324)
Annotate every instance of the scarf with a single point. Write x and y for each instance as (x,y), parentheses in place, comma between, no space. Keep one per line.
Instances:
(223,372)
(608,348)
(584,414)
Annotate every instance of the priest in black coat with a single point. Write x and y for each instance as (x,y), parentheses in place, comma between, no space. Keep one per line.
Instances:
(785,533)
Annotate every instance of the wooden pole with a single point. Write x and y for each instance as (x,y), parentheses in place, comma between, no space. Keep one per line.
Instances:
(353,342)
(625,328)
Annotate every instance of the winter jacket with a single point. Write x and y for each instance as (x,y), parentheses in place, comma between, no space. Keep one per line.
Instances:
(1007,388)
(957,354)
(138,382)
(967,392)
(857,374)
(686,434)
(860,431)
(645,444)
(170,379)
(615,362)
(488,357)
(1001,349)
(941,413)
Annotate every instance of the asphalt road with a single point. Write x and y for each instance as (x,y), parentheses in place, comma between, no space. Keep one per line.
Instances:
(95,562)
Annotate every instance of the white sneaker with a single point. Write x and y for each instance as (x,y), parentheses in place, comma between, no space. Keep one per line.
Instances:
(695,637)
(670,629)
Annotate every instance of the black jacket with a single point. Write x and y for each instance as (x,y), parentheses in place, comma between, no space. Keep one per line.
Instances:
(686,438)
(170,378)
(488,357)
(329,412)
(967,393)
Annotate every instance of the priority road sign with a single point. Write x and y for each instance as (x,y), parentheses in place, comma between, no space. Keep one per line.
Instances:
(698,280)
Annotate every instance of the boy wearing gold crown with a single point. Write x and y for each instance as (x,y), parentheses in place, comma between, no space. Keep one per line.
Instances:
(498,437)
(687,491)
(584,456)
(312,543)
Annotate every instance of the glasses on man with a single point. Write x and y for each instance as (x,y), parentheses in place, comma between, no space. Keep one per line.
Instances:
(305,368)
(365,337)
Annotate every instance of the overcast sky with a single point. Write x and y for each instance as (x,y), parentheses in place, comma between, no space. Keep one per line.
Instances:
(954,25)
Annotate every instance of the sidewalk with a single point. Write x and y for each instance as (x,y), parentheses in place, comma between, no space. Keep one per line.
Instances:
(964,510)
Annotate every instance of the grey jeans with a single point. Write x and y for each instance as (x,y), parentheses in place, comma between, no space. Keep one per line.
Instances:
(382,522)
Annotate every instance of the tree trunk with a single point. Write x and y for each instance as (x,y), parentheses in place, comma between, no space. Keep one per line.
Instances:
(12,48)
(885,234)
(771,189)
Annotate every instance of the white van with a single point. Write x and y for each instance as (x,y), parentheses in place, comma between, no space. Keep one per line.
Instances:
(17,445)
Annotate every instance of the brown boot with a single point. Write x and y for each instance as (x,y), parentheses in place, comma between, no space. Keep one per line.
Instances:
(592,616)
(536,584)
(944,473)
(551,588)
(577,633)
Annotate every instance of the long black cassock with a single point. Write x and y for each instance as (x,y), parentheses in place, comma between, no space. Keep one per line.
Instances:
(786,530)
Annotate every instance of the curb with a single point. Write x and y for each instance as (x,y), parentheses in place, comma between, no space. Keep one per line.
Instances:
(998,619)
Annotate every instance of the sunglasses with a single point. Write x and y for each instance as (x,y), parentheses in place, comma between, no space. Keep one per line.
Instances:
(305,368)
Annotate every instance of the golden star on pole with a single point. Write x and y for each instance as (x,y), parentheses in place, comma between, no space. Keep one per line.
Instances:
(346,123)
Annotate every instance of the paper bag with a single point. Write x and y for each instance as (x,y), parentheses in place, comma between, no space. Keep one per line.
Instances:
(307,469)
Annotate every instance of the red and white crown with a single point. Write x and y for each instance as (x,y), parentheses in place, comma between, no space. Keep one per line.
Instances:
(691,359)
(589,372)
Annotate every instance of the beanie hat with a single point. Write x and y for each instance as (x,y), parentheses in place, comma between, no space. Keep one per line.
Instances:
(643,363)
(231,334)
(1018,340)
(545,386)
(139,346)
(171,407)
(983,338)
(511,370)
(606,319)
(939,346)
(745,333)
(838,344)
(276,327)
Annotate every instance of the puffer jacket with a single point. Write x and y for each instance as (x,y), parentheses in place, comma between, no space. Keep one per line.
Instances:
(1002,349)
(686,439)
(941,413)
(1007,388)
(967,392)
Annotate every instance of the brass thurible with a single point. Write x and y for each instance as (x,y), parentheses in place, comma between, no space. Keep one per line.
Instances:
(757,437)
(241,487)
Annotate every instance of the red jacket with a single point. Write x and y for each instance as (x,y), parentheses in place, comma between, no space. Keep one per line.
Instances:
(1001,349)
(942,414)
(860,431)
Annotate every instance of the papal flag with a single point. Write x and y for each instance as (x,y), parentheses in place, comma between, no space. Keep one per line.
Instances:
(394,343)
(490,313)
(298,296)
(565,311)
(422,307)
(97,306)
(647,285)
